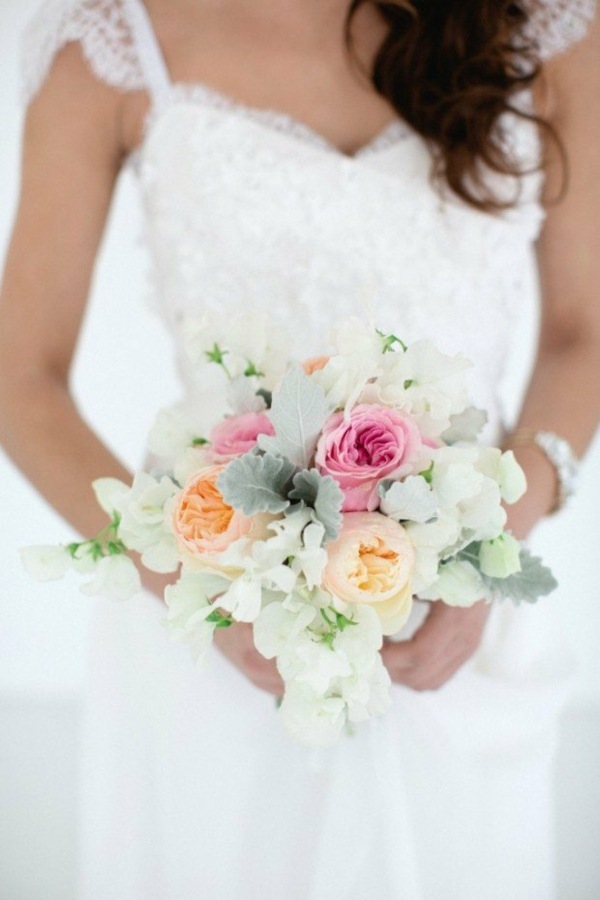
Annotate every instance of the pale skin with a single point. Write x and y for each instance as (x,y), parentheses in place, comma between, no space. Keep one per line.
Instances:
(287,56)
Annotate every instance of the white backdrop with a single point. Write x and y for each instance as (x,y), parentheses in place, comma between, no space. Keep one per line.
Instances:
(123,374)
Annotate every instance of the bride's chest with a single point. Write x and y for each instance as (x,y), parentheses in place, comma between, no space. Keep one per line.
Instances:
(262,185)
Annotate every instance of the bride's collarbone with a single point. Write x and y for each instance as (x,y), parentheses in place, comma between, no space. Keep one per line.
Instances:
(324,91)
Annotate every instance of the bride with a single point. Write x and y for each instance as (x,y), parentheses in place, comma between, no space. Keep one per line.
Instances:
(307,160)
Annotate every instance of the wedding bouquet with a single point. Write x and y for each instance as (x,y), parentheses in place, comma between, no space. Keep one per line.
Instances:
(330,495)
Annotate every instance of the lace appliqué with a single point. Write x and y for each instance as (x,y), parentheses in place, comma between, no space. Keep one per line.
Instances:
(274,120)
(555,25)
(103,31)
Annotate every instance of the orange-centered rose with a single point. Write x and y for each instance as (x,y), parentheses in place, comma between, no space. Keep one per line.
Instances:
(203,523)
(371,562)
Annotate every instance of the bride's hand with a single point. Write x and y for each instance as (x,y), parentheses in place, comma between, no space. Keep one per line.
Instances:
(236,643)
(448,637)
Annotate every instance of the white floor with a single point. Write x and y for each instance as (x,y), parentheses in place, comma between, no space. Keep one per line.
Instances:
(38,800)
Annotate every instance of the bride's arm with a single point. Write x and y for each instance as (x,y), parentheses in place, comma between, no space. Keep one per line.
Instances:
(563,395)
(76,135)
(72,152)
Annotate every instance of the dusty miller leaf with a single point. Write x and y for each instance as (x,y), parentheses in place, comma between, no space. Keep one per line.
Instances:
(254,483)
(298,414)
(323,494)
(535,579)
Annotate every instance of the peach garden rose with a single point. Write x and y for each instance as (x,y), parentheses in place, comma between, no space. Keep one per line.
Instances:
(371,562)
(203,523)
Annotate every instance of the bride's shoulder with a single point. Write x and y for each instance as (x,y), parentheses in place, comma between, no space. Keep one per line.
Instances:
(555,25)
(104,31)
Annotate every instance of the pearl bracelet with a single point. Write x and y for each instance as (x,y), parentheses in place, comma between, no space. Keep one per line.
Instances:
(558,452)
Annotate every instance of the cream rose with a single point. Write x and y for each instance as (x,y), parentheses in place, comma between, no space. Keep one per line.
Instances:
(371,562)
(203,523)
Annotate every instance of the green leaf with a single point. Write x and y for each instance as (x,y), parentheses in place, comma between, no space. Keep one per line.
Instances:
(298,414)
(266,395)
(217,355)
(251,370)
(323,494)
(427,473)
(255,483)
(389,342)
(199,442)
(219,619)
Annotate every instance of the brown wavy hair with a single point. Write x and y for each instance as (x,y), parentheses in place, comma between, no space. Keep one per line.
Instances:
(451,69)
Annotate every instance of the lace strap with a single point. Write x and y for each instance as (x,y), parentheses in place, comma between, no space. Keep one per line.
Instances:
(555,25)
(115,36)
(149,51)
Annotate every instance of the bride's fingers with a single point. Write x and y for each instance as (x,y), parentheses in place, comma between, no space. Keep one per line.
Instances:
(446,640)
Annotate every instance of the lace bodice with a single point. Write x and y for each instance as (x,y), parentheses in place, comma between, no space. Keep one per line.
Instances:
(248,209)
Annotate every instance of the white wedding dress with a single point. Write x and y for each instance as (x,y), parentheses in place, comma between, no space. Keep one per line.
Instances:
(191,788)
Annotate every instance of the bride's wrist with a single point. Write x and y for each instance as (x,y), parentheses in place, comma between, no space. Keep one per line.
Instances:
(539,499)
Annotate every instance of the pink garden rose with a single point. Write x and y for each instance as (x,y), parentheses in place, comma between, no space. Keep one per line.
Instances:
(373,443)
(236,435)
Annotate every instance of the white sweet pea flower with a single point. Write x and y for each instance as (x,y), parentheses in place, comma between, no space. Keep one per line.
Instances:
(437,535)
(354,335)
(344,378)
(173,431)
(458,584)
(242,599)
(367,694)
(456,482)
(242,396)
(110,493)
(83,561)
(145,524)
(361,641)
(412,499)
(311,718)
(311,558)
(190,602)
(511,478)
(464,481)
(189,463)
(310,661)
(500,557)
(46,562)
(277,627)
(115,576)
(427,561)
(425,383)
(247,337)
(483,513)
